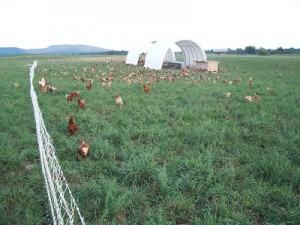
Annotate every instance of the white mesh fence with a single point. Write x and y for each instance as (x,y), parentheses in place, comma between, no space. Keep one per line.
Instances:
(63,206)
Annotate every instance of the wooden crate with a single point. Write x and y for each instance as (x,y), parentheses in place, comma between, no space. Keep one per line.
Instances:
(211,66)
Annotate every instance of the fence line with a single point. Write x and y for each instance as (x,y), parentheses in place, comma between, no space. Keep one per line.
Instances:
(62,203)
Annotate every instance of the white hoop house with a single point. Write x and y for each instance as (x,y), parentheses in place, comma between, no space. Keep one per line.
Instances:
(134,53)
(157,53)
(160,51)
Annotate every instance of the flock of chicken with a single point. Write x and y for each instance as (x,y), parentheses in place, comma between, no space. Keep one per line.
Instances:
(131,77)
(83,148)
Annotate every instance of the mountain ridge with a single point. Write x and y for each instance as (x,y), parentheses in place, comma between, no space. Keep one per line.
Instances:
(68,49)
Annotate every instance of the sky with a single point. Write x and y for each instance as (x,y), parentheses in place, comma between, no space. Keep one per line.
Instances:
(124,24)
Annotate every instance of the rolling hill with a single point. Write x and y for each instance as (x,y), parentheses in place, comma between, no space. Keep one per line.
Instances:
(54,49)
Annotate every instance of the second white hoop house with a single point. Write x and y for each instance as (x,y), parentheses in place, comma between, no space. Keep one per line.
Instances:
(191,51)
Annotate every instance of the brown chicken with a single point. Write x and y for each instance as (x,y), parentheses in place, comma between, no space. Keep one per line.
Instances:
(146,88)
(43,88)
(69,97)
(43,81)
(75,93)
(51,88)
(250,82)
(90,86)
(249,98)
(256,97)
(83,150)
(118,100)
(72,95)
(17,85)
(81,103)
(73,127)
(227,95)
(270,90)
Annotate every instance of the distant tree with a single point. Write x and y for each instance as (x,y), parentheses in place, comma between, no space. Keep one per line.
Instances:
(240,51)
(279,50)
(231,51)
(263,51)
(250,49)
(290,51)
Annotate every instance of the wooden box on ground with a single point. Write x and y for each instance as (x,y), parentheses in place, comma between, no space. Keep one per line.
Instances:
(211,66)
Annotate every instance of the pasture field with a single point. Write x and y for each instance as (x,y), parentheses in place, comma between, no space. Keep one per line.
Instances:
(182,153)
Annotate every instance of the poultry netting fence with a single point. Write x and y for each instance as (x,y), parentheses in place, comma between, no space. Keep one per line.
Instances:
(63,206)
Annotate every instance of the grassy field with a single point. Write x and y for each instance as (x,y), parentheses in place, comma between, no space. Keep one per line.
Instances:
(180,154)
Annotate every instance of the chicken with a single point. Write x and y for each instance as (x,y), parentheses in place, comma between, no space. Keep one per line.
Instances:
(75,93)
(81,103)
(237,79)
(69,97)
(90,86)
(92,71)
(73,127)
(226,95)
(83,150)
(106,84)
(249,98)
(51,88)
(43,88)
(82,78)
(256,97)
(118,99)
(128,82)
(42,82)
(228,82)
(251,82)
(270,90)
(17,85)
(146,88)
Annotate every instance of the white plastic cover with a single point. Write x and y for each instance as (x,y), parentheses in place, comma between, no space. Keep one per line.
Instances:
(191,52)
(157,52)
(134,53)
(170,56)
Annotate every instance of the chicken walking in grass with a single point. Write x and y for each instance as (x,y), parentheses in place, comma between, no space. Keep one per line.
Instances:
(118,100)
(17,85)
(270,90)
(226,95)
(81,103)
(83,150)
(146,88)
(250,82)
(249,98)
(51,88)
(69,97)
(75,93)
(72,127)
(255,97)
(90,86)
(42,82)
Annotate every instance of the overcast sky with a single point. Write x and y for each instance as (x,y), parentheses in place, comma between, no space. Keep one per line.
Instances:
(122,24)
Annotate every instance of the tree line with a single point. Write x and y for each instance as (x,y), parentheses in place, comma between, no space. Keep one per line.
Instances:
(251,50)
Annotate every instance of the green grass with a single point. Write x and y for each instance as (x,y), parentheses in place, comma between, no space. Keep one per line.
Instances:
(181,154)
